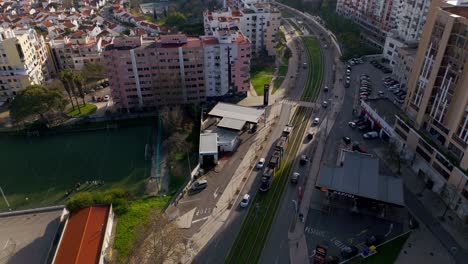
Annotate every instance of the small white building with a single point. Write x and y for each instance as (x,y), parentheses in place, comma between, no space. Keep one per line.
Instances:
(208,151)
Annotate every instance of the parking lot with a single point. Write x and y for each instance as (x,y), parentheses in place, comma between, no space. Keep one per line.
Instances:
(328,229)
(324,224)
(27,238)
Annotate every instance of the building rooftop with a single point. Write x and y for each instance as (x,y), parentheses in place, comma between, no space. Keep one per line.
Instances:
(359,176)
(385,109)
(83,236)
(231,123)
(28,237)
(248,114)
(208,143)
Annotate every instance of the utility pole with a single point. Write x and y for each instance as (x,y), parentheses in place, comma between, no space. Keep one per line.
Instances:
(4,197)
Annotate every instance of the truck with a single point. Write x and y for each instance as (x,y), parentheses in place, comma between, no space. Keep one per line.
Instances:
(282,144)
(275,160)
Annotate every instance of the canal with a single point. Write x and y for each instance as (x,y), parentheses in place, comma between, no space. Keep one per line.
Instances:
(38,171)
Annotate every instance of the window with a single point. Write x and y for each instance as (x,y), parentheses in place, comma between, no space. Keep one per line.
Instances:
(439,169)
(423,154)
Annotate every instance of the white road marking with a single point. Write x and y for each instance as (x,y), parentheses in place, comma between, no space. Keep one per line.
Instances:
(188,201)
(215,194)
(6,244)
(198,220)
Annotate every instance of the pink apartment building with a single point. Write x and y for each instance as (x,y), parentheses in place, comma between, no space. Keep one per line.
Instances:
(146,74)
(176,69)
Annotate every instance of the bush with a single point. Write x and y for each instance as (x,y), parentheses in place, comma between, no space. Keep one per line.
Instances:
(116,197)
(80,200)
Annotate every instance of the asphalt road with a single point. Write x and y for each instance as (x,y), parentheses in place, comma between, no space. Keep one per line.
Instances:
(276,248)
(219,247)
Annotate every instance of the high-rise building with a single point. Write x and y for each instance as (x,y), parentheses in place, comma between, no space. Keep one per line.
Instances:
(436,127)
(375,17)
(410,19)
(226,63)
(257,20)
(146,74)
(22,61)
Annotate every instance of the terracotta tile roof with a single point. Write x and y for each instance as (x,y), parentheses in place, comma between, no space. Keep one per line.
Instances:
(83,236)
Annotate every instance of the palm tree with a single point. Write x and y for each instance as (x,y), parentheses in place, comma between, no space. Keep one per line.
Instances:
(66,78)
(78,82)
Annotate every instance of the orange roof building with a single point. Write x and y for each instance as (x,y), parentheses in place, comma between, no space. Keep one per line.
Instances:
(86,236)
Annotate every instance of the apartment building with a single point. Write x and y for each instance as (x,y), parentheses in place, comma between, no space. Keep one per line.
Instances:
(257,20)
(146,74)
(404,60)
(436,125)
(375,17)
(226,63)
(72,52)
(411,16)
(22,62)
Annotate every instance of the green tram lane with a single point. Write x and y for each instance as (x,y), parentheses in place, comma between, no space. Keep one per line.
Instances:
(250,241)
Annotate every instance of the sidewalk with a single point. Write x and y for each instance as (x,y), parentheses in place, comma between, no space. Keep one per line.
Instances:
(427,207)
(223,207)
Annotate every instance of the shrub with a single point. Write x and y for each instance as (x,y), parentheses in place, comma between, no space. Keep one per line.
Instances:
(116,197)
(80,200)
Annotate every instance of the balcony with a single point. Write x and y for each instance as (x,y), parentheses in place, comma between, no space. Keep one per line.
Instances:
(428,141)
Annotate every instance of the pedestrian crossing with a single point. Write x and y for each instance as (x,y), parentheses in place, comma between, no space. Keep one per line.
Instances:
(300,103)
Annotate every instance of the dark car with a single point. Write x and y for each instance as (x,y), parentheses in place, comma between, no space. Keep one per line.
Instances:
(347,140)
(349,252)
(265,186)
(303,160)
(373,240)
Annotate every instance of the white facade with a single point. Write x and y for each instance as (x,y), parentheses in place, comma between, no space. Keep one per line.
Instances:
(22,62)
(216,68)
(410,19)
(257,20)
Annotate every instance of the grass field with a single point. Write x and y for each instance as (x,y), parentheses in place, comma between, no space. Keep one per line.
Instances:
(37,171)
(83,110)
(277,83)
(259,76)
(386,254)
(250,241)
(137,212)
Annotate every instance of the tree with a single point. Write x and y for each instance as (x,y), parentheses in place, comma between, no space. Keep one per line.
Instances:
(395,154)
(80,200)
(78,82)
(176,19)
(171,118)
(93,71)
(36,100)
(157,241)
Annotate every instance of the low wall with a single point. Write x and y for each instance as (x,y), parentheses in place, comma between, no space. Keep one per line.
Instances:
(35,210)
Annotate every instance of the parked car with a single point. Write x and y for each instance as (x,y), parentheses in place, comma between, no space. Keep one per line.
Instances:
(371,135)
(106,97)
(374,240)
(245,201)
(311,134)
(352,124)
(347,140)
(349,252)
(325,104)
(199,185)
(260,164)
(363,127)
(325,89)
(295,177)
(380,93)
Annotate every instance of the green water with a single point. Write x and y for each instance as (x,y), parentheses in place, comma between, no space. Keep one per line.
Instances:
(37,171)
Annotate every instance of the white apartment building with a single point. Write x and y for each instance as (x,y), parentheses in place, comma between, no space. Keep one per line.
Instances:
(257,20)
(226,62)
(75,51)
(375,17)
(411,16)
(22,61)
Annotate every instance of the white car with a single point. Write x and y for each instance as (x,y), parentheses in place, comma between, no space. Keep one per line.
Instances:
(316,121)
(352,124)
(260,164)
(245,200)
(370,135)
(106,97)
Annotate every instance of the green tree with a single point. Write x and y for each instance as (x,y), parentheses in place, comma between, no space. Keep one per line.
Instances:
(66,76)
(93,71)
(36,100)
(78,83)
(176,19)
